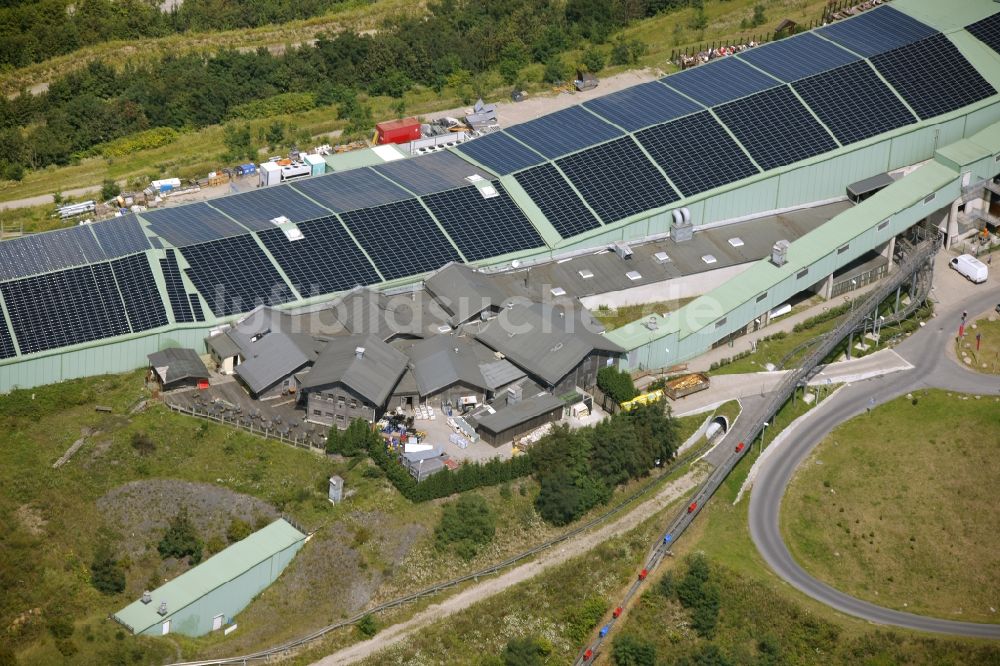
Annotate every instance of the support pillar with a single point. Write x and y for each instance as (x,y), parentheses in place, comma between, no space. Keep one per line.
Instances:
(826,291)
(888,252)
(896,308)
(952,231)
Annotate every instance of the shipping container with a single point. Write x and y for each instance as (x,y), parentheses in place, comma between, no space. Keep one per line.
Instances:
(398,131)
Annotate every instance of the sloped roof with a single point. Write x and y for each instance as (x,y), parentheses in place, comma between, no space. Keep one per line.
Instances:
(518,413)
(365,311)
(177,363)
(210,574)
(372,376)
(543,340)
(463,292)
(442,360)
(271,349)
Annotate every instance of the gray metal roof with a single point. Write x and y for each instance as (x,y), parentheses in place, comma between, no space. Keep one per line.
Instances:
(544,340)
(364,311)
(518,413)
(222,345)
(870,184)
(270,347)
(443,360)
(463,292)
(374,375)
(177,363)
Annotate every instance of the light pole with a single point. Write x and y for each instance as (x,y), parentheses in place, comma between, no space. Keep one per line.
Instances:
(762,430)
(878,329)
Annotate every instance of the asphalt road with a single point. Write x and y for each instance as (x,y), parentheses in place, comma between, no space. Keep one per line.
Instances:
(934,367)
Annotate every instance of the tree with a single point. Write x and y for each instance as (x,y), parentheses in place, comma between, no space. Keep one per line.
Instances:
(628,650)
(239,142)
(616,384)
(593,59)
(354,441)
(181,539)
(109,189)
(238,530)
(759,18)
(667,586)
(367,626)
(106,574)
(469,523)
(698,595)
(555,70)
(528,651)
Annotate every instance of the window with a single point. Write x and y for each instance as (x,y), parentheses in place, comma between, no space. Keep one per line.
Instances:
(354,403)
(720,323)
(929,198)
(340,418)
(843,248)
(883,225)
(340,401)
(801,274)
(762,297)
(316,412)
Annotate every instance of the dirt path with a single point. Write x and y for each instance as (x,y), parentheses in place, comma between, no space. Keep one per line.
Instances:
(45,199)
(487,588)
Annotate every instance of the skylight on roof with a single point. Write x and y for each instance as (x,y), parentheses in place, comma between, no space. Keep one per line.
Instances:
(558,291)
(708,259)
(736,241)
(661,257)
(586,274)
(634,275)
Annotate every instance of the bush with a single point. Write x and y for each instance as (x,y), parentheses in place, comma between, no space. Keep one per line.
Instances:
(698,595)
(616,384)
(555,71)
(582,619)
(109,189)
(367,626)
(468,523)
(351,442)
(238,530)
(528,651)
(106,574)
(666,587)
(181,539)
(293,102)
(593,59)
(152,138)
(143,444)
(631,651)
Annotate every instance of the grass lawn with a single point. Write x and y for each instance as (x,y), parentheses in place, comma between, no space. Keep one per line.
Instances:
(774,350)
(897,508)
(613,318)
(987,358)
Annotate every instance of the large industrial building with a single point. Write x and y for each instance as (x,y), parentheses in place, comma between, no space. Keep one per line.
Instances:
(908,89)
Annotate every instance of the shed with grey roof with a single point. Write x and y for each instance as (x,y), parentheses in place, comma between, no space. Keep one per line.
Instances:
(519,418)
(463,292)
(458,370)
(177,367)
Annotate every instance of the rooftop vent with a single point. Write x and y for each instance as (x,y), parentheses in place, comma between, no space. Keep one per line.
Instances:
(736,241)
(708,259)
(359,352)
(557,291)
(146,597)
(488,192)
(661,257)
(162,610)
(444,328)
(634,275)
(682,228)
(779,253)
(281,219)
(622,250)
(586,275)
(651,324)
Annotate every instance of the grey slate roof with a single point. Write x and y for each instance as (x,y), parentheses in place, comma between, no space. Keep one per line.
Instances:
(365,311)
(518,413)
(270,347)
(463,292)
(372,376)
(543,343)
(223,345)
(177,363)
(442,360)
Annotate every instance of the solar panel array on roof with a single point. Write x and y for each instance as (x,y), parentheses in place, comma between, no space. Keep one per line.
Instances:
(6,341)
(617,179)
(120,236)
(987,31)
(48,251)
(234,275)
(427,174)
(557,200)
(876,31)
(481,226)
(720,81)
(933,76)
(775,128)
(401,238)
(199,314)
(65,308)
(696,153)
(853,102)
(501,153)
(643,105)
(350,190)
(325,260)
(797,57)
(143,303)
(255,209)
(176,294)
(191,224)
(565,131)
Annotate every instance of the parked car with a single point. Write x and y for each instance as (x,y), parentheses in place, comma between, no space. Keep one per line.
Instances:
(970,267)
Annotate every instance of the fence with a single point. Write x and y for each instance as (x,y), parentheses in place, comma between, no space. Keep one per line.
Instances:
(301,440)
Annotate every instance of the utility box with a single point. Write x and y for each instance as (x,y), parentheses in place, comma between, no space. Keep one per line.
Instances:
(317,165)
(398,131)
(779,253)
(270,174)
(336,489)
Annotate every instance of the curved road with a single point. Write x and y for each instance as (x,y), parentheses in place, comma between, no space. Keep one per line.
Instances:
(934,367)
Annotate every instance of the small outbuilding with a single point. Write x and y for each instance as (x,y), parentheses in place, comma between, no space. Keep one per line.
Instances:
(518,418)
(207,597)
(177,367)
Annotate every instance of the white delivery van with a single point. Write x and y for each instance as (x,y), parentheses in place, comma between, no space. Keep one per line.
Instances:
(970,267)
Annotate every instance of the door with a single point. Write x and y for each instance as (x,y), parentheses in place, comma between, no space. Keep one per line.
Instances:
(217,623)
(166,627)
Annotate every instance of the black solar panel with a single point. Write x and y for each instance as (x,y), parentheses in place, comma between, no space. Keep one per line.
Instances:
(483,226)
(143,303)
(49,251)
(643,105)
(6,341)
(696,153)
(557,200)
(720,81)
(324,261)
(775,127)
(191,223)
(401,238)
(199,313)
(501,153)
(120,236)
(565,131)
(617,179)
(65,308)
(853,102)
(933,76)
(431,173)
(987,31)
(176,294)
(797,57)
(350,190)
(876,31)
(234,275)
(255,209)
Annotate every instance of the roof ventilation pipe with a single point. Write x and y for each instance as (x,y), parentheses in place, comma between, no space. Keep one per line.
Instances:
(359,352)
(682,230)
(686,214)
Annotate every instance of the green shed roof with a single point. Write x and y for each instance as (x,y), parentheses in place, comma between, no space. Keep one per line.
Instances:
(209,575)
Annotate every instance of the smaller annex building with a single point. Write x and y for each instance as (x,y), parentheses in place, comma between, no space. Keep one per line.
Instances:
(207,597)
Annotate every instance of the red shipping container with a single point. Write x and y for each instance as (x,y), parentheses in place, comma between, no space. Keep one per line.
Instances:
(398,131)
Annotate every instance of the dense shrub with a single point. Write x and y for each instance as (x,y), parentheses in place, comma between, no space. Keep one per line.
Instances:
(238,530)
(529,651)
(181,539)
(106,574)
(616,384)
(629,650)
(466,524)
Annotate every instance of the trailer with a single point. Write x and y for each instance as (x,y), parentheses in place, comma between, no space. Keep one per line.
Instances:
(397,131)
(678,387)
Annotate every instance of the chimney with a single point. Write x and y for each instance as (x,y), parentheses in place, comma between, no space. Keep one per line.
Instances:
(162,610)
(779,253)
(456,350)
(146,598)
(514,394)
(359,352)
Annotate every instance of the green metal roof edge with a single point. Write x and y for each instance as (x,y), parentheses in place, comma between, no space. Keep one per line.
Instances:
(211,574)
(946,16)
